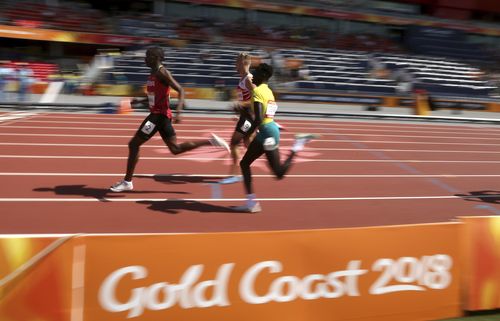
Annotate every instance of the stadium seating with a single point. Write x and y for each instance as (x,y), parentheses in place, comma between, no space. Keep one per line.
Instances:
(344,65)
(146,26)
(342,71)
(328,70)
(195,65)
(441,76)
(41,71)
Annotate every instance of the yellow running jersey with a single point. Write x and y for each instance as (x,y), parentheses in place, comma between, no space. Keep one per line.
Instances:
(265,96)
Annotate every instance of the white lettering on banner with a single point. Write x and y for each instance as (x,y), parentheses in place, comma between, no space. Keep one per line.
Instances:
(300,287)
(187,292)
(396,275)
(107,291)
(431,271)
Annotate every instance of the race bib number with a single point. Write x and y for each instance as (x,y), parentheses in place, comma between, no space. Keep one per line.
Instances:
(148,127)
(272,107)
(270,144)
(151,100)
(246,126)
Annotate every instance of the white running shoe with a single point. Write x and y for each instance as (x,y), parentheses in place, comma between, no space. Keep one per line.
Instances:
(121,186)
(301,140)
(231,180)
(219,142)
(249,208)
(254,207)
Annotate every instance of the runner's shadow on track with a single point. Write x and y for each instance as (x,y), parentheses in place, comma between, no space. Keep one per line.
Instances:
(482,196)
(181,179)
(176,206)
(102,194)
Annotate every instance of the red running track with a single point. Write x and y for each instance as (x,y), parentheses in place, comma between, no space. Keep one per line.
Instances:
(56,169)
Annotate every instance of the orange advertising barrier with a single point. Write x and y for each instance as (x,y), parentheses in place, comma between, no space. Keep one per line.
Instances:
(422,105)
(381,273)
(494,106)
(39,87)
(481,277)
(35,278)
(384,273)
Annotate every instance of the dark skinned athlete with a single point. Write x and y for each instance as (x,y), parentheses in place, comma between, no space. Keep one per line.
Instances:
(267,139)
(159,120)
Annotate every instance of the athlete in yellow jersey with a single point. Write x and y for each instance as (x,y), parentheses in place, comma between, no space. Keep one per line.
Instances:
(267,140)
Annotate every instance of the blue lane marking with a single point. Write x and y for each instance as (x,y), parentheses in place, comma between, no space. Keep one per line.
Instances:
(404,166)
(216,190)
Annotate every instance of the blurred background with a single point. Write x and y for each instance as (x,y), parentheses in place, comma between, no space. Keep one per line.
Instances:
(339,51)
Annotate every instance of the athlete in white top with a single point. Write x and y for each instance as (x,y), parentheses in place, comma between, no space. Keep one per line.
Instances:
(242,107)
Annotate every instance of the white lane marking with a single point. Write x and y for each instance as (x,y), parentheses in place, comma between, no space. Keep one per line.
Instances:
(313,122)
(131,129)
(308,148)
(271,199)
(222,158)
(230,123)
(13,117)
(282,139)
(139,175)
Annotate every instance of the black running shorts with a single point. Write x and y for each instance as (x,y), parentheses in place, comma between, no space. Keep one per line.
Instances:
(244,124)
(156,123)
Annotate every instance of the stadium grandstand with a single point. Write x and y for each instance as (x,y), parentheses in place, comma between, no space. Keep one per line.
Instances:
(311,53)
(388,111)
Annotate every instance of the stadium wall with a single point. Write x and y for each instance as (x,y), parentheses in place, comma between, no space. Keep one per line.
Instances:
(310,97)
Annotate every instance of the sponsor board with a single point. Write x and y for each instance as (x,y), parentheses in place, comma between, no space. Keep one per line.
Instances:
(481,265)
(393,272)
(73,36)
(36,278)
